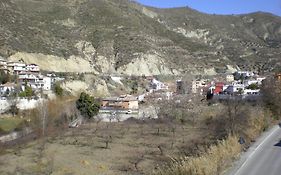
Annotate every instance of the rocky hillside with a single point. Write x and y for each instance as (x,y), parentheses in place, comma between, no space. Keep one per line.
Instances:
(123,37)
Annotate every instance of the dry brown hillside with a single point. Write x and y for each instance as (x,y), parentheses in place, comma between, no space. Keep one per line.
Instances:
(120,36)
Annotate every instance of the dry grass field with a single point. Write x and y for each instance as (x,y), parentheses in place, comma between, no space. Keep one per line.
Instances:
(129,147)
(180,141)
(104,148)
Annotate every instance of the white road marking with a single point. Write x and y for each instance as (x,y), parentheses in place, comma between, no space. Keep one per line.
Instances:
(237,172)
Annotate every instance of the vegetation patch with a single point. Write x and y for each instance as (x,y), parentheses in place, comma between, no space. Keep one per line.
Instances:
(9,124)
(212,162)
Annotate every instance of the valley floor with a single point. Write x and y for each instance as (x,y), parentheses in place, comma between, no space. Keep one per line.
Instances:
(133,148)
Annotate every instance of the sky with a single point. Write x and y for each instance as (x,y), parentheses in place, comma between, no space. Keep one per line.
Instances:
(220,6)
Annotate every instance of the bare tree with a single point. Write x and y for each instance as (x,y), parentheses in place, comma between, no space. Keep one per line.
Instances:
(187,82)
(142,122)
(107,140)
(13,102)
(107,134)
(98,120)
(160,148)
(271,91)
(43,115)
(45,162)
(113,116)
(233,119)
(136,158)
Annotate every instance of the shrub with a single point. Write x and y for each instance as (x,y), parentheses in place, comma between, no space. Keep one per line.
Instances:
(28,92)
(58,90)
(210,162)
(272,96)
(14,109)
(253,86)
(2,131)
(87,105)
(58,113)
(4,77)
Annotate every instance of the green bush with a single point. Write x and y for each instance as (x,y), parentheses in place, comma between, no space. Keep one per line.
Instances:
(58,90)
(10,124)
(87,105)
(4,77)
(253,86)
(28,92)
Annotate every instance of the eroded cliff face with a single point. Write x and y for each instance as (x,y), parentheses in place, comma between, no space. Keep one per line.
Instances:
(125,38)
(89,61)
(54,63)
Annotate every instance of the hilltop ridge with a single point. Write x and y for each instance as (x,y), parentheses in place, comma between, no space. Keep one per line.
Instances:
(124,37)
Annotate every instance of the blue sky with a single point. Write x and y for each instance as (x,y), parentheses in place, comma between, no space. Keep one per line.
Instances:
(221,6)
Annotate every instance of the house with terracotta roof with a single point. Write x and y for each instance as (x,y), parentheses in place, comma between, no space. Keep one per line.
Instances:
(124,102)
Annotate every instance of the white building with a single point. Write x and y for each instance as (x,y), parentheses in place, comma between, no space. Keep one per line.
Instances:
(3,62)
(157,85)
(6,89)
(235,88)
(212,88)
(39,82)
(47,83)
(169,95)
(27,77)
(251,92)
(249,82)
(33,68)
(237,83)
(245,73)
(229,78)
(198,85)
(141,97)
(36,82)
(54,78)
(260,79)
(19,67)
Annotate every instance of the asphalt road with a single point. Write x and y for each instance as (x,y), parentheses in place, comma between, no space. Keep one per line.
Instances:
(264,157)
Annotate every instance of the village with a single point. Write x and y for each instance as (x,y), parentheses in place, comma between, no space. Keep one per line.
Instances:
(25,84)
(156,107)
(240,85)
(138,87)
(28,77)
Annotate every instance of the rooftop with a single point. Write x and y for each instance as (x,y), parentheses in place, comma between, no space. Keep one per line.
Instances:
(121,98)
(8,84)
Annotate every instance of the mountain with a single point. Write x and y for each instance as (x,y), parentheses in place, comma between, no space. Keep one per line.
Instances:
(124,37)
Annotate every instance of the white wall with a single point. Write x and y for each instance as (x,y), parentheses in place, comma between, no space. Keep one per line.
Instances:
(22,104)
(47,83)
(4,105)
